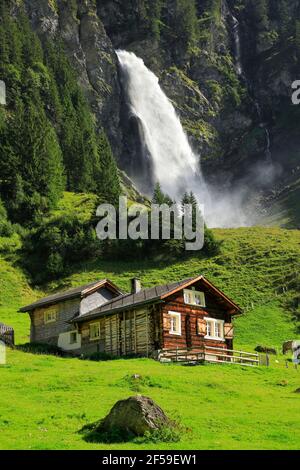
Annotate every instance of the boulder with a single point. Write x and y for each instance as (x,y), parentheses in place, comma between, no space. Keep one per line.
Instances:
(134,416)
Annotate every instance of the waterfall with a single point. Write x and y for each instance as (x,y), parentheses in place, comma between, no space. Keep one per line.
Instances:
(263,125)
(237,44)
(172,161)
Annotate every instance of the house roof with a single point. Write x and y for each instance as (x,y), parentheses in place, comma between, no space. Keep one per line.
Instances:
(154,295)
(81,291)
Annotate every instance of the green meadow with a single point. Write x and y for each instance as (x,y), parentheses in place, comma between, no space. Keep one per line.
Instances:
(46,400)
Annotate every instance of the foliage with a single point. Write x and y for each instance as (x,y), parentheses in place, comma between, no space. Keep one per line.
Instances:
(109,188)
(49,140)
(185,23)
(52,248)
(6,228)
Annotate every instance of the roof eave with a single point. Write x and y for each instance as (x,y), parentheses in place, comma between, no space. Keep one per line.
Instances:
(96,315)
(236,309)
(31,307)
(82,294)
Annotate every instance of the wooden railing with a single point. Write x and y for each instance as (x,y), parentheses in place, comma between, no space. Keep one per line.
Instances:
(233,356)
(7,334)
(181,355)
(210,354)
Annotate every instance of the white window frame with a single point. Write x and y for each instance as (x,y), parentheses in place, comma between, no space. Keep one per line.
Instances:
(96,337)
(219,322)
(71,333)
(178,316)
(52,314)
(192,292)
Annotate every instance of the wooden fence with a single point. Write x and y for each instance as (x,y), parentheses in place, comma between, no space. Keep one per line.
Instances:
(7,334)
(210,354)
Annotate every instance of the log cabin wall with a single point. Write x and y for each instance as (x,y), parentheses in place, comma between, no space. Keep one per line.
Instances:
(43,332)
(191,337)
(124,333)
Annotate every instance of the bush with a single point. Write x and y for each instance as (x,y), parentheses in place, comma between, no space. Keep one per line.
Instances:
(40,348)
(6,228)
(100,356)
(51,249)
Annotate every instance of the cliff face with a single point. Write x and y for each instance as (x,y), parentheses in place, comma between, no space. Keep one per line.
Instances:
(89,50)
(230,80)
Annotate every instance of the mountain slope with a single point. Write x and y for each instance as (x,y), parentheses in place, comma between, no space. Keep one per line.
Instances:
(227,67)
(249,269)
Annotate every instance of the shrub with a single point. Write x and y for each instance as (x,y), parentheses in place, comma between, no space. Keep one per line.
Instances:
(52,248)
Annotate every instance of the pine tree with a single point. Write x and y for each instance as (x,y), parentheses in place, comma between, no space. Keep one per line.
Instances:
(108,184)
(284,18)
(261,14)
(185,23)
(159,197)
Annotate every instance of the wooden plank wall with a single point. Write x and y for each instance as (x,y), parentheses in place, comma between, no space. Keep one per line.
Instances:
(41,332)
(124,333)
(189,314)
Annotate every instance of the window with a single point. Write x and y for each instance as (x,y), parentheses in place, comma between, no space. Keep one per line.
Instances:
(175,323)
(73,337)
(94,331)
(214,329)
(50,315)
(194,297)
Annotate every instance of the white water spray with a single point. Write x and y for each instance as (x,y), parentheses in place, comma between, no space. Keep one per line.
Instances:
(175,166)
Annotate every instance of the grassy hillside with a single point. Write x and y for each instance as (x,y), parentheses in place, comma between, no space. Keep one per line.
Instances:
(227,407)
(254,266)
(14,292)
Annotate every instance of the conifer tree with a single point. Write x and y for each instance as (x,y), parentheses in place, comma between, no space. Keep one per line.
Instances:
(185,23)
(159,197)
(261,17)
(108,185)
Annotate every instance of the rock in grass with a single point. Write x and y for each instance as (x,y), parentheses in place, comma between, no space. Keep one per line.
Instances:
(134,416)
(297,390)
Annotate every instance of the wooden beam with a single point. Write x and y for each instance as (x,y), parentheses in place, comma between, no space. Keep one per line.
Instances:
(147,334)
(135,341)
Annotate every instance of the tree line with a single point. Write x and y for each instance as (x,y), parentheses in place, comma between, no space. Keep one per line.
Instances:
(48,137)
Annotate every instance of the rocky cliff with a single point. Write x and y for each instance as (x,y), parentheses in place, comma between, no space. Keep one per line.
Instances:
(226,65)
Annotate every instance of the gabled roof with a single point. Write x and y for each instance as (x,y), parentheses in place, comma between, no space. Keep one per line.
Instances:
(80,292)
(155,295)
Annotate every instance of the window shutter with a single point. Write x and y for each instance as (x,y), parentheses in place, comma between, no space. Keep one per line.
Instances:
(201,326)
(167,322)
(228,330)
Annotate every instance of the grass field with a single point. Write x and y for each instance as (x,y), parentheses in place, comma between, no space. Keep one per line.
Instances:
(46,400)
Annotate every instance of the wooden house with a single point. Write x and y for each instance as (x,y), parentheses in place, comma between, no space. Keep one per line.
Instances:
(191,315)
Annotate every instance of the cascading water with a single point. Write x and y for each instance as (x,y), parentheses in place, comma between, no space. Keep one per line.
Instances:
(263,125)
(237,45)
(173,163)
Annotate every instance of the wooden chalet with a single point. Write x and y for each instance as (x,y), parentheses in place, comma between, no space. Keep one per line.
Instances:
(191,315)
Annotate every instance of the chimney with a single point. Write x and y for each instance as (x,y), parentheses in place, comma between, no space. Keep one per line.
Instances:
(136,285)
